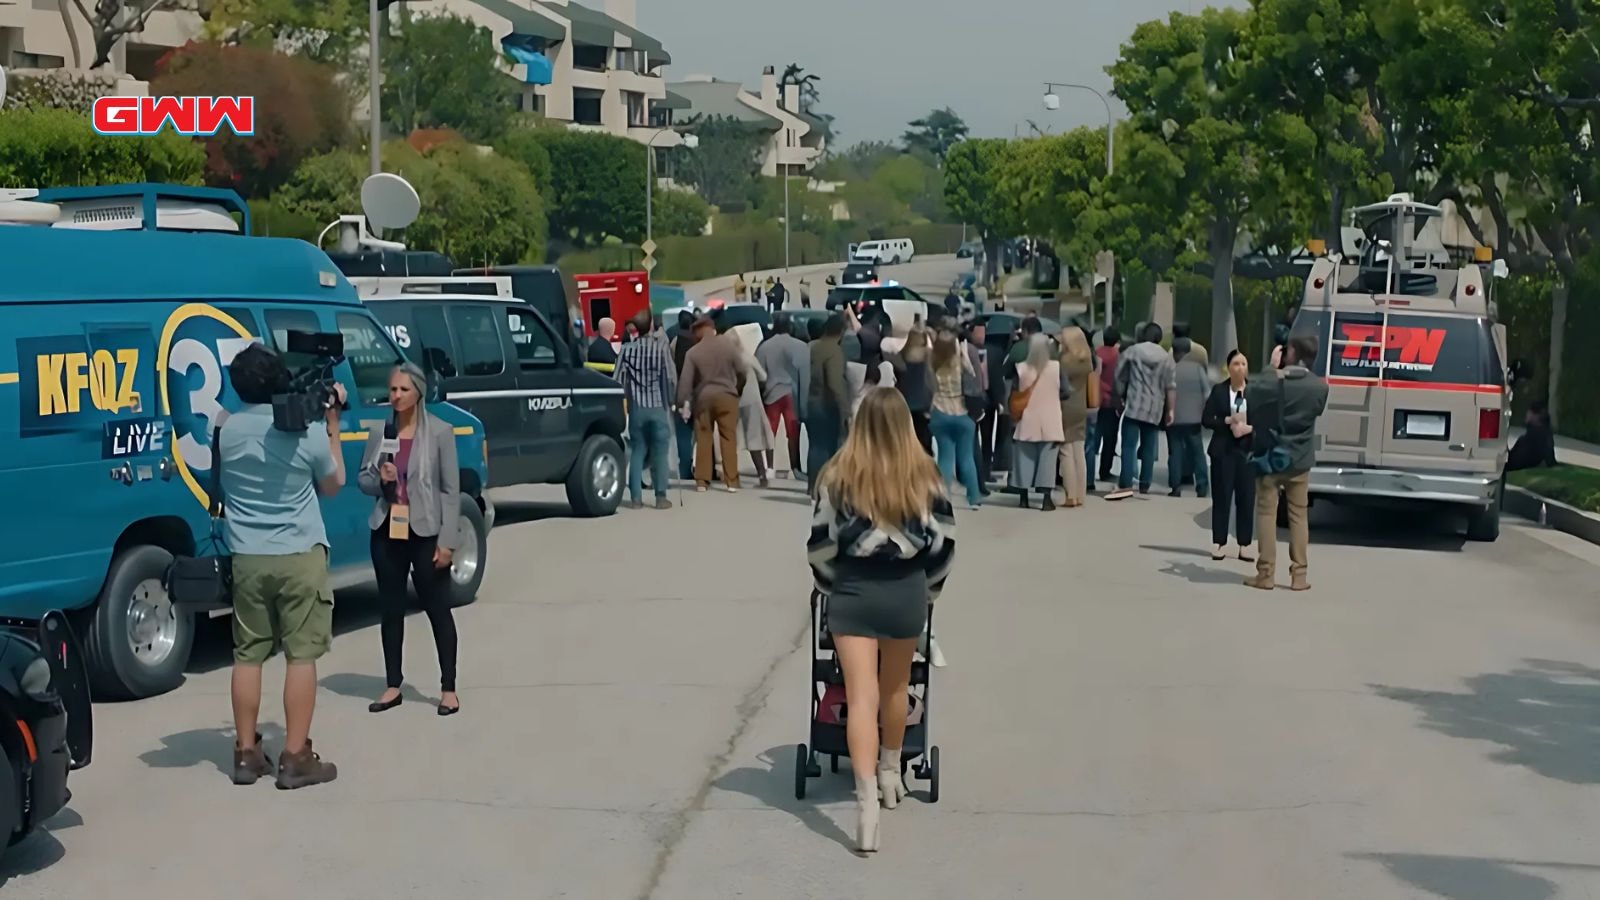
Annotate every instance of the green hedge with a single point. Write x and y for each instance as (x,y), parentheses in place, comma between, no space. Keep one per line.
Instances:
(1573,485)
(59,148)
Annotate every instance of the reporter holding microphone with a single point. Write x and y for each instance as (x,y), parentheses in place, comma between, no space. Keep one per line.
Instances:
(411,469)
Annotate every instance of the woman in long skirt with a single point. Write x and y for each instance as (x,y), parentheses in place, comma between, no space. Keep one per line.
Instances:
(1037,439)
(753,419)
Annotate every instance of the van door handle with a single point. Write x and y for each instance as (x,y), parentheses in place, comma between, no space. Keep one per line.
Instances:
(1458,447)
(122,473)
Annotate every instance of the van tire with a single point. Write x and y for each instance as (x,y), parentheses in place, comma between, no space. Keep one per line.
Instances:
(594,487)
(1484,524)
(10,800)
(474,533)
(115,670)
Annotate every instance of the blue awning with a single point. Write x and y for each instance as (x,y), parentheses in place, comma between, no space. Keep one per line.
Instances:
(538,65)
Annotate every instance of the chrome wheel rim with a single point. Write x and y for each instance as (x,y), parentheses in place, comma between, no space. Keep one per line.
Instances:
(464,562)
(607,476)
(152,622)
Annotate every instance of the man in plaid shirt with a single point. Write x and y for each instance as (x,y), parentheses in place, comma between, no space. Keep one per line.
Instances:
(649,382)
(1147,386)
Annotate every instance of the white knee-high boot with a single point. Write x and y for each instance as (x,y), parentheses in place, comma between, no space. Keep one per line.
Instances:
(891,785)
(867,823)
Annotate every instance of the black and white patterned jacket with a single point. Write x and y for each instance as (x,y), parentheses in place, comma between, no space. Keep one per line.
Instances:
(838,532)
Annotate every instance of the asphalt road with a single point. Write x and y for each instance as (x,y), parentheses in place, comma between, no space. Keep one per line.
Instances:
(927,275)
(1120,719)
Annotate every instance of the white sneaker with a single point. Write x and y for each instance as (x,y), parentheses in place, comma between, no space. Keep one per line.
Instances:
(935,655)
(1218,552)
(732,490)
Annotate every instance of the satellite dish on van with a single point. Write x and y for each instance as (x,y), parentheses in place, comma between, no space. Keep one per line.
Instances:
(389,201)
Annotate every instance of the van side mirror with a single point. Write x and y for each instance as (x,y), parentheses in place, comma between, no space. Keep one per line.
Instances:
(1520,370)
(436,391)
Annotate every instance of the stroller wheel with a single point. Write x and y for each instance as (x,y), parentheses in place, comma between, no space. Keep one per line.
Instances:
(932,766)
(833,764)
(801,766)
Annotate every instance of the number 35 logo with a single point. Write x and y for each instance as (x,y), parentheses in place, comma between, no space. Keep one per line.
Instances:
(197,343)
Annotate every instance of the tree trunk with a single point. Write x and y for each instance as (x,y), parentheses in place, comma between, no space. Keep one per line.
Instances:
(1558,329)
(1224,332)
(991,257)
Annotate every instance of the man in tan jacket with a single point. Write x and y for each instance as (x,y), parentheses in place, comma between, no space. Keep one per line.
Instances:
(714,372)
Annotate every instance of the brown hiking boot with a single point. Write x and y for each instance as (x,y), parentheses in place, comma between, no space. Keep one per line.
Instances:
(250,765)
(1260,582)
(1299,583)
(303,769)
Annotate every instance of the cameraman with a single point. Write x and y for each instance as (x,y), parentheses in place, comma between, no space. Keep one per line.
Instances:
(281,594)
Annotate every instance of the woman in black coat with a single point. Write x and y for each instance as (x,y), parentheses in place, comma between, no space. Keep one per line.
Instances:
(1232,479)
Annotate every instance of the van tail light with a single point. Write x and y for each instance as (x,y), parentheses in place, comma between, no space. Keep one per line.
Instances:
(1488,424)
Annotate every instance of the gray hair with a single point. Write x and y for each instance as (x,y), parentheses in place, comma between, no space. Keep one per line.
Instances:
(1038,353)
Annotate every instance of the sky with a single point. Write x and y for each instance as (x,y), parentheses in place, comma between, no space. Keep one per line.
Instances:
(886,62)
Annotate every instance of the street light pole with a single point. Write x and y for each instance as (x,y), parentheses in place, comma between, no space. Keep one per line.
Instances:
(376,135)
(1053,102)
(786,218)
(690,141)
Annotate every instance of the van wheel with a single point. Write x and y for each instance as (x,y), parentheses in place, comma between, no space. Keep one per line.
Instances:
(1484,524)
(138,642)
(467,563)
(595,486)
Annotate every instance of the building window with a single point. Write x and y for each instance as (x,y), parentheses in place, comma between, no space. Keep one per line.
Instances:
(586,107)
(636,108)
(21,60)
(591,58)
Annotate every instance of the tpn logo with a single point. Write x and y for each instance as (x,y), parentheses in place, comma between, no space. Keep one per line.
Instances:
(195,116)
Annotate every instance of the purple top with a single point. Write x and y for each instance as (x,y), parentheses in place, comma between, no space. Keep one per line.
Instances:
(401,461)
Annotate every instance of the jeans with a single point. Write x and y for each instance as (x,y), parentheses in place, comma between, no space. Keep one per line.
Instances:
(649,432)
(824,432)
(1187,458)
(685,432)
(1091,444)
(1138,448)
(955,437)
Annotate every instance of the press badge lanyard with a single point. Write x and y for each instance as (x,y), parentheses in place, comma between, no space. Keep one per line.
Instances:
(400,511)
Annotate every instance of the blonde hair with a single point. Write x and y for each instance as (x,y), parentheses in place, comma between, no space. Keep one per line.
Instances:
(1074,346)
(882,473)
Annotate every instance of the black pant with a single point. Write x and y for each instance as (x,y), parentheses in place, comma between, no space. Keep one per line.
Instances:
(924,429)
(982,415)
(1233,483)
(392,560)
(1110,435)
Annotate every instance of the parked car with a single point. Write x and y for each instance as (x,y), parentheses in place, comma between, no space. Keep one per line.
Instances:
(893,251)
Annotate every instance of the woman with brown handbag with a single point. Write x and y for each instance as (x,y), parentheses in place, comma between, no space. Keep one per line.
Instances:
(1036,408)
(1077,368)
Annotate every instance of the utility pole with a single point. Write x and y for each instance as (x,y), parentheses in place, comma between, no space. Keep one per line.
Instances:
(376,135)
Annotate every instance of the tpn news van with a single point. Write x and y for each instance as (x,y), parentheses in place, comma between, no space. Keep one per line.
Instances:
(120,308)
(1419,390)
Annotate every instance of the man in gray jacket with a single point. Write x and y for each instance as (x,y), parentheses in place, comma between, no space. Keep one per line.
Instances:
(1186,457)
(787,362)
(1284,405)
(1146,383)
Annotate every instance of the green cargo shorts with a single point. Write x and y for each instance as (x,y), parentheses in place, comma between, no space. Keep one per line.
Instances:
(282,601)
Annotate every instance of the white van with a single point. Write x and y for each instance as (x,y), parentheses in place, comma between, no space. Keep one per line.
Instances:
(897,250)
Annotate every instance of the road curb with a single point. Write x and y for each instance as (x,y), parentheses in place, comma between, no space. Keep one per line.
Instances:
(1557,515)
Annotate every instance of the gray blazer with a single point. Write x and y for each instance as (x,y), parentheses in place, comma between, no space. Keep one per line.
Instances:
(435,494)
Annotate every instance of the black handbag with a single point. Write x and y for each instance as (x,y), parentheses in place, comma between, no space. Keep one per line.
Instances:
(1269,456)
(204,582)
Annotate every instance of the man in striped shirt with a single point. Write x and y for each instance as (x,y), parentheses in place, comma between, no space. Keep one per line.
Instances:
(649,382)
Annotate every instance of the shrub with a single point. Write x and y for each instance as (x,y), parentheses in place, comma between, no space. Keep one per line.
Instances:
(58,89)
(300,111)
(595,186)
(680,213)
(57,148)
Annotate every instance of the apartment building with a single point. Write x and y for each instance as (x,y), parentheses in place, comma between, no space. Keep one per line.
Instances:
(796,140)
(41,35)
(589,68)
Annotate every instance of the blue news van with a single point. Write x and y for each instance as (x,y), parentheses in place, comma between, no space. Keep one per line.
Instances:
(115,334)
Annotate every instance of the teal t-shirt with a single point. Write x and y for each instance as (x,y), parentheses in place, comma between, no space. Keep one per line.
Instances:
(269,484)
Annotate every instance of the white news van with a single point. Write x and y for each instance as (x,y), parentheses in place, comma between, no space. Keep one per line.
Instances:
(896,250)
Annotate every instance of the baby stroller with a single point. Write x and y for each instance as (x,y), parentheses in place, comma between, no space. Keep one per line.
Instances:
(826,690)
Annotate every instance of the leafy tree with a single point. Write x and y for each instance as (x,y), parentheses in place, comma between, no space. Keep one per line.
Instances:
(935,133)
(596,185)
(58,148)
(971,174)
(680,212)
(443,71)
(873,204)
(301,112)
(333,32)
(1188,82)
(525,146)
(810,96)
(859,162)
(477,208)
(112,20)
(725,165)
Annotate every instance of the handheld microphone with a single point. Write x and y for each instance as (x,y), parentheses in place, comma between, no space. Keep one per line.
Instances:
(386,454)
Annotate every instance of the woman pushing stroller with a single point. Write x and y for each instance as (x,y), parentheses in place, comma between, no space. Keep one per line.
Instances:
(882,540)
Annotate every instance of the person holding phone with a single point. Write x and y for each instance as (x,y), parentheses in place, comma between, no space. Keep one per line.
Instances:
(410,467)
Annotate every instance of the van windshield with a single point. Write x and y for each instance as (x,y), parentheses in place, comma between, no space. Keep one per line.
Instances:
(1418,347)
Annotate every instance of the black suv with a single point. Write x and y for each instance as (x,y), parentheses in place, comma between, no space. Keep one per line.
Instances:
(546,418)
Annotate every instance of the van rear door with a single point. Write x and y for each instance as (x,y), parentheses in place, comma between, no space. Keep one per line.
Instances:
(1440,387)
(1350,431)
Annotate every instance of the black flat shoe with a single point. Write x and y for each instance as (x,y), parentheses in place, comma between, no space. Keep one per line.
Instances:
(378,706)
(448,710)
